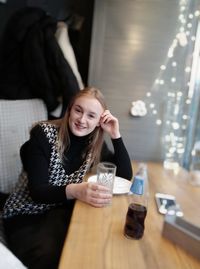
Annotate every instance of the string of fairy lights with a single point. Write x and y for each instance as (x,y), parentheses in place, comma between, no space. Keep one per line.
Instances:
(173,85)
(183,40)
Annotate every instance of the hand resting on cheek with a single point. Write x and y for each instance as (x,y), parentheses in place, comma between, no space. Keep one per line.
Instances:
(110,124)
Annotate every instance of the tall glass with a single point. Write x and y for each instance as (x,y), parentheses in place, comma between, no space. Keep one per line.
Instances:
(106,174)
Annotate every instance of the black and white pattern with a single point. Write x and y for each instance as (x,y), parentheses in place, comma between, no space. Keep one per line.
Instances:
(20,201)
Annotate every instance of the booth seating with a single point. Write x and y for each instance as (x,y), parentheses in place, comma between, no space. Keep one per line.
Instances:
(16,119)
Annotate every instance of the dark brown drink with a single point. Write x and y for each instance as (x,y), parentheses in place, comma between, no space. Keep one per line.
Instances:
(134,226)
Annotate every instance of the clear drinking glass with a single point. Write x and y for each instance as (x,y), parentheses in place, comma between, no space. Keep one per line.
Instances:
(106,174)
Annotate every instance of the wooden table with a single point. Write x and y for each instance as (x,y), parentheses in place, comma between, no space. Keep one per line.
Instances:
(95,239)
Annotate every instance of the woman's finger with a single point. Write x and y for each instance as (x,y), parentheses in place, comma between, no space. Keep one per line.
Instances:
(98,187)
(97,202)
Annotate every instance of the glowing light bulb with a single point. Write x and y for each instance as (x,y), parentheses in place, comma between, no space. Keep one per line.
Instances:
(161,82)
(185,117)
(173,79)
(174,64)
(182,38)
(158,122)
(148,94)
(175,125)
(181,16)
(182,8)
(172,149)
(188,101)
(170,53)
(179,94)
(183,21)
(179,145)
(162,67)
(187,69)
(152,105)
(169,94)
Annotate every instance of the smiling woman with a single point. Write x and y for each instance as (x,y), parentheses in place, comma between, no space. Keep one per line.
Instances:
(55,160)
(85,115)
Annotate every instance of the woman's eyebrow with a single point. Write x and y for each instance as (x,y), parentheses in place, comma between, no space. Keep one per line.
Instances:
(78,106)
(93,113)
(89,112)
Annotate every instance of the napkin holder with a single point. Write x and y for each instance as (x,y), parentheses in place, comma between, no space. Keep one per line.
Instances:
(182,233)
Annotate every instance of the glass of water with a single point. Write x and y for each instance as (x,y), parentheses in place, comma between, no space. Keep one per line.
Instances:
(106,174)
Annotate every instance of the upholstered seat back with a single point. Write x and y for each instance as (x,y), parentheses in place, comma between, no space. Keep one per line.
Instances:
(16,119)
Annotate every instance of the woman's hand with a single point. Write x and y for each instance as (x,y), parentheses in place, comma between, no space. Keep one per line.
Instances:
(90,193)
(110,124)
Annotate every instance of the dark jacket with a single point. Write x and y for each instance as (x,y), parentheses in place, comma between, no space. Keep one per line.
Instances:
(33,65)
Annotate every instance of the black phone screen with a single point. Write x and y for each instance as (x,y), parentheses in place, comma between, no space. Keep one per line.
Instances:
(164,202)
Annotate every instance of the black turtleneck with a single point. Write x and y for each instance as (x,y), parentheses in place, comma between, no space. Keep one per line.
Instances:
(74,155)
(35,155)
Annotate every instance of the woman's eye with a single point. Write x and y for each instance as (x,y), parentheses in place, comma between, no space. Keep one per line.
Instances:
(77,110)
(91,116)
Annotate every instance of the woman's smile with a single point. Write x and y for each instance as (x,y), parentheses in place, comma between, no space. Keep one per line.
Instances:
(79,126)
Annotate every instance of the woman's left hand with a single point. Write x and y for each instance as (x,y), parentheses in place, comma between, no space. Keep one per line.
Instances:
(90,193)
(110,124)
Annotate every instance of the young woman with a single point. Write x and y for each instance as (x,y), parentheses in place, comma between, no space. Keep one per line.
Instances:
(55,160)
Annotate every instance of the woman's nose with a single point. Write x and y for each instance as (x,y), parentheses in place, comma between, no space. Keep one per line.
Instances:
(82,118)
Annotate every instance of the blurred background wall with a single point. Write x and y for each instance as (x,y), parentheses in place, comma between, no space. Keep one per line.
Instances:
(138,50)
(144,50)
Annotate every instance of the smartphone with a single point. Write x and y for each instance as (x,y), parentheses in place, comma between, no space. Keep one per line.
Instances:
(164,201)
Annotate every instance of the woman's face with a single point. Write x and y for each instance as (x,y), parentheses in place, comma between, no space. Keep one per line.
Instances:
(85,115)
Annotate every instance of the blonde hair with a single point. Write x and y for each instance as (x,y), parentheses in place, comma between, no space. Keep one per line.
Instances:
(96,137)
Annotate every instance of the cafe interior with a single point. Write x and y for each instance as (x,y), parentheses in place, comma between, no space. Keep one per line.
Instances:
(144,55)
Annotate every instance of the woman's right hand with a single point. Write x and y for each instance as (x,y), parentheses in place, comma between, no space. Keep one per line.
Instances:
(90,193)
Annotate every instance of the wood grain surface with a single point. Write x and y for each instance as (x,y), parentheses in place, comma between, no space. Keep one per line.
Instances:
(95,238)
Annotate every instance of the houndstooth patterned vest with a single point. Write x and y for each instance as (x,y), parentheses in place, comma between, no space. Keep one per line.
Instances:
(20,201)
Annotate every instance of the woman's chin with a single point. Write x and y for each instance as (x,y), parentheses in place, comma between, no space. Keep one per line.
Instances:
(79,132)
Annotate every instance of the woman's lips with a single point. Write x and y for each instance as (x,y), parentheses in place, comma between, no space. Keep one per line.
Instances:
(79,126)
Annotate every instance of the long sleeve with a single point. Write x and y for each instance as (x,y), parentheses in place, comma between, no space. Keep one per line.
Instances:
(120,157)
(35,155)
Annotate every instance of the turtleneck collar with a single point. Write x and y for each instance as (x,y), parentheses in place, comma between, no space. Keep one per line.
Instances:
(78,139)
